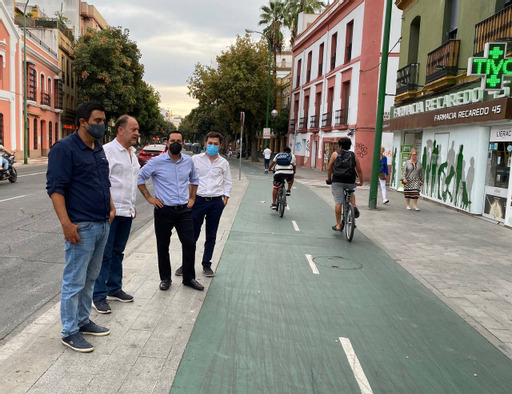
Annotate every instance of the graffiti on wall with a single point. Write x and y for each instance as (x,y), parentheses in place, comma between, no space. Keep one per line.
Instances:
(361,150)
(298,146)
(450,181)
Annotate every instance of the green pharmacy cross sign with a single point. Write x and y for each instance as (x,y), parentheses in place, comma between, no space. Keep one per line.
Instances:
(492,67)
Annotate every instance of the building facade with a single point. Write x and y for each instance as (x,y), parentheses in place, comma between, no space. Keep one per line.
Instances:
(336,58)
(460,126)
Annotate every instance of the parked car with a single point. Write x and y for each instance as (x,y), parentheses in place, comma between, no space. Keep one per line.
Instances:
(150,151)
(196,147)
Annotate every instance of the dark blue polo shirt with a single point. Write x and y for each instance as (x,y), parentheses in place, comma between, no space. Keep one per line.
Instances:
(80,174)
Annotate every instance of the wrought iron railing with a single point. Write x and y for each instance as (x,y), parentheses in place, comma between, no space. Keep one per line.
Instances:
(340,117)
(313,122)
(495,28)
(292,124)
(45,99)
(303,123)
(407,78)
(327,119)
(443,61)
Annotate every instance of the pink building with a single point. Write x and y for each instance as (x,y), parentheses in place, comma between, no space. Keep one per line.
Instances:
(43,89)
(335,76)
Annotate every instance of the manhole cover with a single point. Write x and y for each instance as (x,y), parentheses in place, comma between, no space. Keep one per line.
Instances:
(337,262)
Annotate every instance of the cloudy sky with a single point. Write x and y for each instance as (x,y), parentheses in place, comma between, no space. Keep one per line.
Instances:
(175,35)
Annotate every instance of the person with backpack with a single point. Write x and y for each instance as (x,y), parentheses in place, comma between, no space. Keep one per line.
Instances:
(285,166)
(342,171)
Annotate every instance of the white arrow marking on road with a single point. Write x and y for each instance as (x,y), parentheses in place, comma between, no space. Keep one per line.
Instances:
(35,173)
(361,379)
(312,264)
(13,198)
(295,225)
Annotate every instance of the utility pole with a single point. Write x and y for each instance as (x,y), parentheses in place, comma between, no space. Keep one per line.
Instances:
(374,180)
(25,137)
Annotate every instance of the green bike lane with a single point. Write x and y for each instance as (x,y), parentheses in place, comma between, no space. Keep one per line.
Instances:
(270,324)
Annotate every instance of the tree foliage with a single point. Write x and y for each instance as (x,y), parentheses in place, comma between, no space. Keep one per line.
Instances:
(237,83)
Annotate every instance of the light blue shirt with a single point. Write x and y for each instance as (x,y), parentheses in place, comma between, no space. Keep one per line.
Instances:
(170,179)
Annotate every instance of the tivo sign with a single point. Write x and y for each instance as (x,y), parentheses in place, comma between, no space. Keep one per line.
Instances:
(493,67)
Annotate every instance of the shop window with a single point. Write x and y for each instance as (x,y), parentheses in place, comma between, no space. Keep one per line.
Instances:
(500,157)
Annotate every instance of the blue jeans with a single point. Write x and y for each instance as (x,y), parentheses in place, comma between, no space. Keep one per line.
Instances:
(267,163)
(212,211)
(5,163)
(83,264)
(110,279)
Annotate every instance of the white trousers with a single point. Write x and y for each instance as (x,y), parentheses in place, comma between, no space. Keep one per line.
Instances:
(383,188)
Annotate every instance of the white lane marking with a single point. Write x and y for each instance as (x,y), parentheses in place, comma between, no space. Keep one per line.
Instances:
(361,379)
(13,198)
(287,207)
(312,264)
(35,173)
(295,225)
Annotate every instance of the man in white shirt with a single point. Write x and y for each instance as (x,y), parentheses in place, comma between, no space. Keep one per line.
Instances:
(5,162)
(124,170)
(267,153)
(212,196)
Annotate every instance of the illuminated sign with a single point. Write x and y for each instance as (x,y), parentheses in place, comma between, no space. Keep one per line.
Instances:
(492,67)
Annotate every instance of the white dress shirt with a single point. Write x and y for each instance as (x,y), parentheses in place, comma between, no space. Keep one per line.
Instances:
(124,170)
(214,178)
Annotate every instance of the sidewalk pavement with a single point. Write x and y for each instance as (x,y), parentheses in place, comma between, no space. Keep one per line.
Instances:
(462,259)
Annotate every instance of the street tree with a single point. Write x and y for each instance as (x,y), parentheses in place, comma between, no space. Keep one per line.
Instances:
(272,17)
(292,10)
(237,83)
(108,70)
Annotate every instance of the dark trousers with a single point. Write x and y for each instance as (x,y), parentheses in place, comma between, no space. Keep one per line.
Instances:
(212,211)
(166,218)
(110,279)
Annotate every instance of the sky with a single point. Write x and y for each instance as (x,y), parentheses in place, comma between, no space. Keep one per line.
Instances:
(175,35)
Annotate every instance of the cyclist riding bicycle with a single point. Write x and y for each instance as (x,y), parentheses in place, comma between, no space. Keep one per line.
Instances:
(342,171)
(285,166)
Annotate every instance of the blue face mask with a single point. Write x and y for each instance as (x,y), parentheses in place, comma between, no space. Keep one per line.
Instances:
(96,130)
(212,150)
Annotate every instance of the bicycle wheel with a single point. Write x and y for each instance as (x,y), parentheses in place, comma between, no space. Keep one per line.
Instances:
(350,223)
(282,198)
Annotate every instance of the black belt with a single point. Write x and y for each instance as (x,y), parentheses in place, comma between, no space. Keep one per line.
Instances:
(208,198)
(176,207)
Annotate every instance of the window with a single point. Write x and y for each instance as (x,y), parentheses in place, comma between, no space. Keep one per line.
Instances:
(308,72)
(414,37)
(2,127)
(321,60)
(348,41)
(56,131)
(35,133)
(452,19)
(50,134)
(502,4)
(334,44)
(299,65)
(1,72)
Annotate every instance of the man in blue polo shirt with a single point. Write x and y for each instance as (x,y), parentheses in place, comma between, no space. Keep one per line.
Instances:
(175,181)
(77,181)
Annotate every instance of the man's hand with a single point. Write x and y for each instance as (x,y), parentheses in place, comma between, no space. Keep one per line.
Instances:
(191,202)
(157,203)
(359,183)
(112,215)
(328,181)
(225,200)
(404,181)
(70,231)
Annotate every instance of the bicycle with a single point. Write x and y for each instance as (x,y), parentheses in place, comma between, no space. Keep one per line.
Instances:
(348,219)
(281,199)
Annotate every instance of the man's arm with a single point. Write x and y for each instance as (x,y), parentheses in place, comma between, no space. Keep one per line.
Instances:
(272,164)
(112,210)
(69,229)
(329,166)
(192,190)
(227,184)
(157,203)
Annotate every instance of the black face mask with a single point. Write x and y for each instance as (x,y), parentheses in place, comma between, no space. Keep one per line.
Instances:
(175,148)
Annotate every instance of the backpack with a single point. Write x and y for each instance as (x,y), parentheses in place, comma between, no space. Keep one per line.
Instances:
(283,159)
(344,168)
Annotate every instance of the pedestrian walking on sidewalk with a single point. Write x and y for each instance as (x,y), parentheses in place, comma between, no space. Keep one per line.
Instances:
(77,181)
(175,181)
(383,175)
(267,154)
(212,196)
(412,178)
(124,170)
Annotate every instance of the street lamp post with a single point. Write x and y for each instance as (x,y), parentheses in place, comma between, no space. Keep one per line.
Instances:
(25,137)
(269,68)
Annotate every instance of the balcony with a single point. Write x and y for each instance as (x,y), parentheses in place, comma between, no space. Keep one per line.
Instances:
(327,119)
(45,99)
(340,117)
(407,78)
(443,61)
(496,28)
(314,121)
(303,123)
(292,124)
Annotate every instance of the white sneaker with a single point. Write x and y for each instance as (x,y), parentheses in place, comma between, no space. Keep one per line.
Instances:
(385,201)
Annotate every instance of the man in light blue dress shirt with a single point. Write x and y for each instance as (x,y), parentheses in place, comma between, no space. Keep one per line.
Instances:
(175,181)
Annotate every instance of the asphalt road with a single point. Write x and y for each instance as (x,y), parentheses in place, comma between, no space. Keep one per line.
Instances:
(32,246)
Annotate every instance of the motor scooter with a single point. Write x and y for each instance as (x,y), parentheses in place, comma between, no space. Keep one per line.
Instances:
(11,172)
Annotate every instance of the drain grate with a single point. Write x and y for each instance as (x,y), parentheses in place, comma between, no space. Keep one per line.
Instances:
(337,262)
